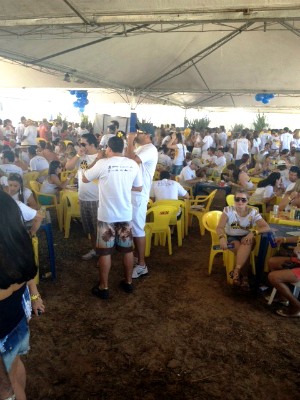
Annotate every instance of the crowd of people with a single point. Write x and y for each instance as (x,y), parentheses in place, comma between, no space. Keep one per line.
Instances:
(114,174)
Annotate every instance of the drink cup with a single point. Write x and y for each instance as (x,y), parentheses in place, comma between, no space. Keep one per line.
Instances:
(276,209)
(222,183)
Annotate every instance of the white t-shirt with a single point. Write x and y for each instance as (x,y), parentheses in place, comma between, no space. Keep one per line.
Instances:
(237,225)
(220,163)
(26,193)
(222,137)
(27,212)
(11,169)
(30,135)
(164,160)
(255,145)
(54,132)
(290,187)
(260,194)
(149,156)
(105,138)
(242,147)
(117,176)
(186,174)
(38,163)
(179,154)
(87,191)
(166,189)
(286,139)
(207,142)
(20,132)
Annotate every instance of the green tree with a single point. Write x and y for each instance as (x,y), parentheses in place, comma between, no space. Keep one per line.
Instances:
(260,122)
(237,128)
(197,124)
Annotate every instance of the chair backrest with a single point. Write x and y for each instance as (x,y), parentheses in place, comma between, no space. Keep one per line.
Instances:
(162,215)
(29,176)
(64,175)
(73,203)
(176,203)
(210,221)
(208,200)
(43,173)
(43,199)
(230,199)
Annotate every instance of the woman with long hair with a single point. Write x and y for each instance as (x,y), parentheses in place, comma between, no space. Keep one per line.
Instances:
(266,191)
(239,178)
(291,198)
(17,267)
(52,184)
(18,192)
(176,143)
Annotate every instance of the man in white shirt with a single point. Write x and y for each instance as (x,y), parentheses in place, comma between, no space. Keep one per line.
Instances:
(285,139)
(88,192)
(146,157)
(167,189)
(20,129)
(8,166)
(36,163)
(207,142)
(242,146)
(30,134)
(54,131)
(187,176)
(111,132)
(293,176)
(118,176)
(222,137)
(220,162)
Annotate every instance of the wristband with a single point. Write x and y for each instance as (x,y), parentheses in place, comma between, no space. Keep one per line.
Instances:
(34,297)
(77,155)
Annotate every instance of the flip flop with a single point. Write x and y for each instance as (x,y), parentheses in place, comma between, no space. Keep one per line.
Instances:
(283,313)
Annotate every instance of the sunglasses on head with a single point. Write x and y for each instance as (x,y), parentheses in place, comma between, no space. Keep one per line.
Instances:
(242,199)
(82,144)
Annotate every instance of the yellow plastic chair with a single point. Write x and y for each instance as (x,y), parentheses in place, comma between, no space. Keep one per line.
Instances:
(30,176)
(161,217)
(71,210)
(180,223)
(150,203)
(230,199)
(65,174)
(198,207)
(255,179)
(210,223)
(45,200)
(43,175)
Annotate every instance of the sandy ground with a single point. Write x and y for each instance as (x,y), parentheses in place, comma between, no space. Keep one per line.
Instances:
(181,335)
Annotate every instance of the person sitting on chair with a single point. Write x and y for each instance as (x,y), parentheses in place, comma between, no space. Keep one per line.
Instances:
(167,189)
(236,226)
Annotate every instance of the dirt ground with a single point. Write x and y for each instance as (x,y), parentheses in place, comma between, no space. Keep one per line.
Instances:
(181,335)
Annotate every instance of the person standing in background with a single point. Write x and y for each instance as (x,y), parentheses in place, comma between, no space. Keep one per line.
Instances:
(146,157)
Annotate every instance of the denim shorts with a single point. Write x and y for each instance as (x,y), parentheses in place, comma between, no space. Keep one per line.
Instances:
(15,344)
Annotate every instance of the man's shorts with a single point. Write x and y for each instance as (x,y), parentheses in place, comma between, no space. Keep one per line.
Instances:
(139,210)
(15,344)
(88,215)
(111,235)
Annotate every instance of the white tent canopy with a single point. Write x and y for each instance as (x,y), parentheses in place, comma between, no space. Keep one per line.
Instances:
(193,54)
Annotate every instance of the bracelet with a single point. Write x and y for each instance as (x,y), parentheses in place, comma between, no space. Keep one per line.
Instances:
(254,232)
(222,236)
(77,155)
(34,297)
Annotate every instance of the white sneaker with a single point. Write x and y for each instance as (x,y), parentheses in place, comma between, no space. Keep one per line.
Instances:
(139,270)
(89,255)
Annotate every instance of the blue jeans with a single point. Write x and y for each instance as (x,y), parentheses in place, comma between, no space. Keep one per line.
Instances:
(176,169)
(14,344)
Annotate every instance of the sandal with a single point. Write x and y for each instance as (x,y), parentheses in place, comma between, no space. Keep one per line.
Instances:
(235,276)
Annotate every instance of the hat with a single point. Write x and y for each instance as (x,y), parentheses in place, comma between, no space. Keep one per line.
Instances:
(196,161)
(281,162)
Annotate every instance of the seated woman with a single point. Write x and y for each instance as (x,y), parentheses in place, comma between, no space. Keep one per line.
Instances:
(236,226)
(264,167)
(19,162)
(266,191)
(18,192)
(52,184)
(239,178)
(280,278)
(291,198)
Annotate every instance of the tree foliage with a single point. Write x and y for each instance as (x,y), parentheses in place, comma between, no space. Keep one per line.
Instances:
(197,124)
(260,122)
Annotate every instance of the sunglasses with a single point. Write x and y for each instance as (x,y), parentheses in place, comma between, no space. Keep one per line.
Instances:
(242,199)
(82,144)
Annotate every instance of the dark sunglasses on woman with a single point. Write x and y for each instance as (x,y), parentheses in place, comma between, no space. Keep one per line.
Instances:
(242,199)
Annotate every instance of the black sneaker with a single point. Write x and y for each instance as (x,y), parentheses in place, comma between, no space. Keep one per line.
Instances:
(101,293)
(126,287)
